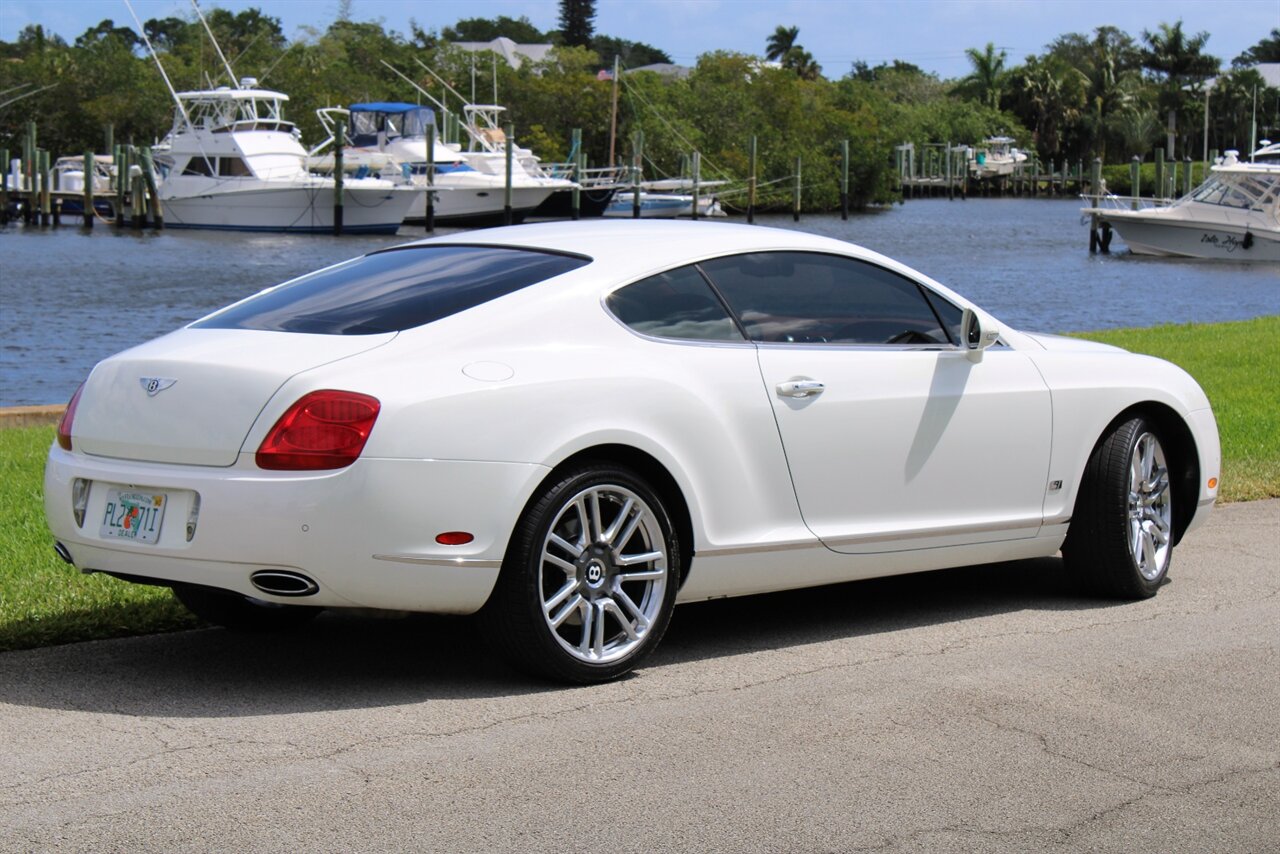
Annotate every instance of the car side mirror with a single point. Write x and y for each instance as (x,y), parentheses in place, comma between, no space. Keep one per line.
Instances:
(974,338)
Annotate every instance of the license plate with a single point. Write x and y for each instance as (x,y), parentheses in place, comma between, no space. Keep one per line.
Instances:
(133,515)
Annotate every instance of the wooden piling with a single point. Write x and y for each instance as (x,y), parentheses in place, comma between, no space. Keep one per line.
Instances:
(1095,192)
(137,202)
(844,179)
(29,170)
(1159,188)
(510,132)
(87,196)
(696,169)
(637,158)
(46,206)
(576,147)
(109,136)
(582,163)
(1186,177)
(339,142)
(4,188)
(795,201)
(153,192)
(1135,180)
(429,218)
(751,183)
(122,178)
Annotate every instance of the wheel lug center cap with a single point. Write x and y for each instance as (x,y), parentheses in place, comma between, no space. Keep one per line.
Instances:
(594,573)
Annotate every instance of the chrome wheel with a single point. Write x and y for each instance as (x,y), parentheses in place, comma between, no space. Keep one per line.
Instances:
(603,573)
(1150,510)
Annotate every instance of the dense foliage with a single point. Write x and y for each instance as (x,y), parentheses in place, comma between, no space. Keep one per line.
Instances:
(1102,94)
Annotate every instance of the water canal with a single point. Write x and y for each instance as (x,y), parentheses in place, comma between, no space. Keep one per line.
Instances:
(69,298)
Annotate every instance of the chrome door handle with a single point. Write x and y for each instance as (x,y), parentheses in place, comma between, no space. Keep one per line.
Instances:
(800,388)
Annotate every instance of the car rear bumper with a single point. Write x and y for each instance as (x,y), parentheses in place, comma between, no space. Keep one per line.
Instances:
(364,534)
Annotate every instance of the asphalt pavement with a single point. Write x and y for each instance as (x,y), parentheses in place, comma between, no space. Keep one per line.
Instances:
(987,709)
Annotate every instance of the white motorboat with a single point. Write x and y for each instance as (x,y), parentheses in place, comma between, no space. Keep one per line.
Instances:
(231,161)
(656,205)
(390,139)
(1235,214)
(997,158)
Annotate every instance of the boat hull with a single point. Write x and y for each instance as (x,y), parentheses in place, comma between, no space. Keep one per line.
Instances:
(302,209)
(661,206)
(1187,239)
(475,206)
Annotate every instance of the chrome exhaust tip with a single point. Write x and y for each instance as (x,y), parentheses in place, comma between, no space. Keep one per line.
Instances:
(281,582)
(63,553)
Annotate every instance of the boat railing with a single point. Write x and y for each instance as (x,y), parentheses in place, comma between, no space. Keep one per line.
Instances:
(1112,202)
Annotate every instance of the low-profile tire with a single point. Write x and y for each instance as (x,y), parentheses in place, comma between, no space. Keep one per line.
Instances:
(1120,543)
(589,581)
(242,613)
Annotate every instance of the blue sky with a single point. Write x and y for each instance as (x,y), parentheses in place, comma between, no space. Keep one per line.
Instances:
(930,33)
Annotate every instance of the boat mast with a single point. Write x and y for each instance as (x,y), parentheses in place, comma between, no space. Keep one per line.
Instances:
(235,83)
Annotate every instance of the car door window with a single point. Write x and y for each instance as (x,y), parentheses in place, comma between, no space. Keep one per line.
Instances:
(676,304)
(811,298)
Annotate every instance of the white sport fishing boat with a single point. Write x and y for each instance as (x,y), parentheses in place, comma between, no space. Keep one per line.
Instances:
(997,158)
(390,139)
(1235,215)
(231,161)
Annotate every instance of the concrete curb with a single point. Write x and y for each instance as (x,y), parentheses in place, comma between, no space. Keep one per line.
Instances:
(30,416)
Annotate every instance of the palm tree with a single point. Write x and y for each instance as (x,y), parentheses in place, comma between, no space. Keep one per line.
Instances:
(988,75)
(1112,88)
(1177,56)
(781,43)
(801,61)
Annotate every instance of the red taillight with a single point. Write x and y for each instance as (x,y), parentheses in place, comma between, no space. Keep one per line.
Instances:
(64,423)
(323,430)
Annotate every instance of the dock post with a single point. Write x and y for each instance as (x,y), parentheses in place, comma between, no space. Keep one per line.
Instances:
(46,206)
(509,132)
(149,183)
(580,167)
(1135,180)
(429,215)
(87,198)
(339,142)
(1186,176)
(696,171)
(637,158)
(795,201)
(29,174)
(1159,191)
(109,135)
(951,187)
(1095,194)
(137,202)
(844,179)
(4,188)
(751,183)
(576,147)
(122,176)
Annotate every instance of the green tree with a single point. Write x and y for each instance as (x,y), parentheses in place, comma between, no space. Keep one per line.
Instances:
(986,82)
(577,19)
(781,43)
(1179,62)
(520,30)
(1266,50)
(631,54)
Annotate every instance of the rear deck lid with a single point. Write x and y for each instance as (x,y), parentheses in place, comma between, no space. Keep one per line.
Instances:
(192,396)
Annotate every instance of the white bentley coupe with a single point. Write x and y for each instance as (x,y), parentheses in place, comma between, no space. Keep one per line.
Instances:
(569,428)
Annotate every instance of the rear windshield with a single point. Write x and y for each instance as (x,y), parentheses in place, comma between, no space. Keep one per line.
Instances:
(393,290)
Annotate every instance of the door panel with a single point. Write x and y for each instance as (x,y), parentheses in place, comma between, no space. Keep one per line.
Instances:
(906,448)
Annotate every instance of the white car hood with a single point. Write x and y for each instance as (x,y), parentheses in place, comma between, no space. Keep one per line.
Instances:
(192,396)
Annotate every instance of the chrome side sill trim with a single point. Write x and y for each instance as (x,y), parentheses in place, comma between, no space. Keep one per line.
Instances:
(1020,526)
(770,547)
(461,562)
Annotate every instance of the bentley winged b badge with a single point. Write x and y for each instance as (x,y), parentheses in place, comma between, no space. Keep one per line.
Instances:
(155,385)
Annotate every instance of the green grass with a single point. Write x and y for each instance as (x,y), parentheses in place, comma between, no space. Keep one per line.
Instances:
(1238,365)
(44,601)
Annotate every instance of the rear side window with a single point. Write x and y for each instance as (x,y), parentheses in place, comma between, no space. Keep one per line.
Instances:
(809,298)
(674,304)
(393,290)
